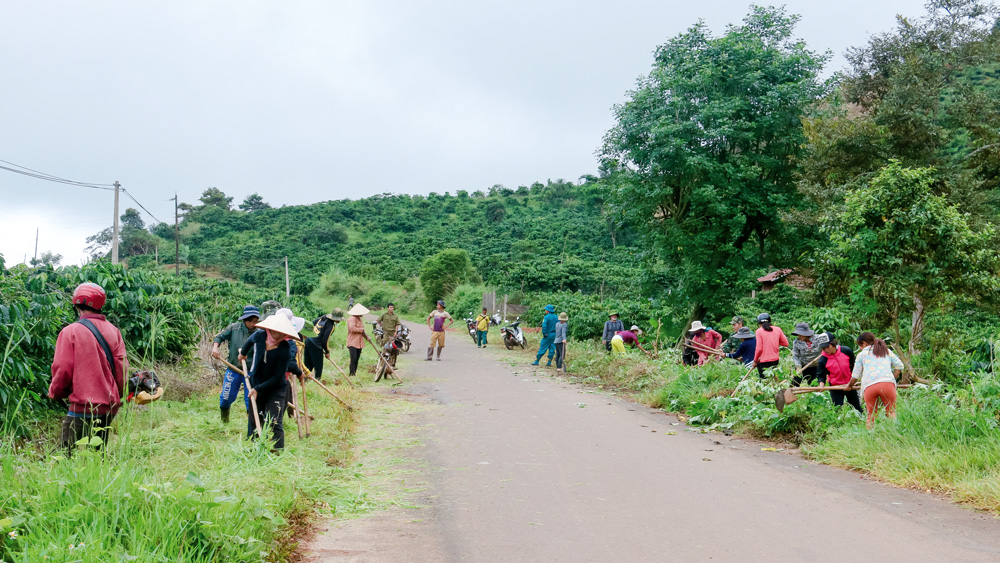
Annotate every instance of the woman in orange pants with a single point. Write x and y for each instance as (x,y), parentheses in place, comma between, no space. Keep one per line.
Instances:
(877,368)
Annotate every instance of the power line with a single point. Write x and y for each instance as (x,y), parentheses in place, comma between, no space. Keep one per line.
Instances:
(140,205)
(30,172)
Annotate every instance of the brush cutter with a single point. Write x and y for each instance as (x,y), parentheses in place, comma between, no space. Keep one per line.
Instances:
(253,400)
(340,370)
(790,395)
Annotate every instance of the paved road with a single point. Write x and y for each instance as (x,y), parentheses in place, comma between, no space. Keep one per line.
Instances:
(520,470)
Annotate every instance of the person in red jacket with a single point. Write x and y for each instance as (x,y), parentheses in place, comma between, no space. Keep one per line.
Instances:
(81,372)
(835,367)
(770,339)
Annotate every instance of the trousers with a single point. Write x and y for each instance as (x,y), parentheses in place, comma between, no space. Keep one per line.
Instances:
(560,354)
(270,409)
(75,428)
(481,337)
(355,356)
(547,345)
(884,392)
(231,382)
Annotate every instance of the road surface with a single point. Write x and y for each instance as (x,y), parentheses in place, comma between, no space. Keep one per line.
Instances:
(525,467)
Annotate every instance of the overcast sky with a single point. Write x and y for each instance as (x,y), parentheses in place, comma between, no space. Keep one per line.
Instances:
(305,101)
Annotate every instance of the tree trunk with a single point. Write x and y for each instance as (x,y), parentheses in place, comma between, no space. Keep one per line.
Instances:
(697,312)
(917,332)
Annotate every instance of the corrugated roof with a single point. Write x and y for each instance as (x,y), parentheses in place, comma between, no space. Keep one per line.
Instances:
(776,275)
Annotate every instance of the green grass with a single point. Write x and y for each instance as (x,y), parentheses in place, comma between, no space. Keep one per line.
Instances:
(175,484)
(945,439)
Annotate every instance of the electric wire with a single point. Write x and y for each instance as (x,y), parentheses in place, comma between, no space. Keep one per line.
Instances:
(30,172)
(140,205)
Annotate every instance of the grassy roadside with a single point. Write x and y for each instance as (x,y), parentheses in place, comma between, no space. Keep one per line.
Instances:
(175,484)
(945,440)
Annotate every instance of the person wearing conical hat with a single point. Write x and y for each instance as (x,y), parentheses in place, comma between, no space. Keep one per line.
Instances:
(355,335)
(268,383)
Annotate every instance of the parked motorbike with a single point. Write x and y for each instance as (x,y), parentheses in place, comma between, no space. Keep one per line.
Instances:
(495,319)
(470,323)
(390,350)
(512,335)
(404,337)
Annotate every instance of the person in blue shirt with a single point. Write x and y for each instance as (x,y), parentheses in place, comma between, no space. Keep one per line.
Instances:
(747,347)
(548,335)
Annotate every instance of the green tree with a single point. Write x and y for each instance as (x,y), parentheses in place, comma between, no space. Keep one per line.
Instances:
(254,202)
(901,248)
(441,273)
(705,150)
(214,197)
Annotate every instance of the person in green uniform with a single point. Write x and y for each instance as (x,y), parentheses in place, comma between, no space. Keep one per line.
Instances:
(732,343)
(390,324)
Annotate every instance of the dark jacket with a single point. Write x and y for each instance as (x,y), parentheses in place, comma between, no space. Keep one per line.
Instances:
(267,376)
(236,335)
(746,351)
(610,327)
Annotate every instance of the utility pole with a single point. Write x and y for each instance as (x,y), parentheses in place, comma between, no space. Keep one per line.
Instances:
(114,235)
(36,245)
(177,240)
(288,292)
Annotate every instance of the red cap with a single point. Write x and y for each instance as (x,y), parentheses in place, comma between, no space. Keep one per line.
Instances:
(91,295)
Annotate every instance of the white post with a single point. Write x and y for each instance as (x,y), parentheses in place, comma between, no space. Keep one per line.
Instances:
(114,234)
(288,291)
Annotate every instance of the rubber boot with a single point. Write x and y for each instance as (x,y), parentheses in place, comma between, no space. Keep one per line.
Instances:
(430,353)
(548,365)
(224,415)
(439,352)
(534,363)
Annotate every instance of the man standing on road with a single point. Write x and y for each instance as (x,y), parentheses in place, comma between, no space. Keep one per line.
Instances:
(236,335)
(89,369)
(390,324)
(482,328)
(611,327)
(548,335)
(435,322)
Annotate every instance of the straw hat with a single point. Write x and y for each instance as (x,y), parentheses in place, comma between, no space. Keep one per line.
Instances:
(696,326)
(563,317)
(279,323)
(357,310)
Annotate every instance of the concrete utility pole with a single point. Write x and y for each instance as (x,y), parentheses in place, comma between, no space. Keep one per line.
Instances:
(114,235)
(288,291)
(36,245)
(177,240)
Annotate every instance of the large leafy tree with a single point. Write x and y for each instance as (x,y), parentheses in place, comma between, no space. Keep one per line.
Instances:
(705,151)
(441,273)
(900,247)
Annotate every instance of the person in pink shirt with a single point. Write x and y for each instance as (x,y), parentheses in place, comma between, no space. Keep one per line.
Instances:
(705,337)
(770,339)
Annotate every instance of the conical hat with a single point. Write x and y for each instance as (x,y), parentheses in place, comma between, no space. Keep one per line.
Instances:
(358,309)
(279,323)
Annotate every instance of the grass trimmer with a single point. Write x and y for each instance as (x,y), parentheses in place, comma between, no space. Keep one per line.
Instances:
(334,395)
(253,400)
(790,395)
(351,383)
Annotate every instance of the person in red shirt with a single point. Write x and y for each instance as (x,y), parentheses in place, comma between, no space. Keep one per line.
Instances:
(82,373)
(770,339)
(707,338)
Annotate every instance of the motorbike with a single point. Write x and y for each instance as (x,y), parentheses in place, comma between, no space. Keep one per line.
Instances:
(470,323)
(512,335)
(495,319)
(390,350)
(404,337)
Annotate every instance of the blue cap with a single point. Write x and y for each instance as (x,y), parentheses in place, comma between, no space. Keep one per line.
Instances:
(550,308)
(250,311)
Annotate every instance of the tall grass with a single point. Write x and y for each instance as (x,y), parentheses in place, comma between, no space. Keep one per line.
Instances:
(174,484)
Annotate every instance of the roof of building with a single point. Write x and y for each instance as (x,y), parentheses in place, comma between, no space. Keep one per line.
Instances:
(776,275)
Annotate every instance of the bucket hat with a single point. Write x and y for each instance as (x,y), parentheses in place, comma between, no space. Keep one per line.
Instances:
(279,323)
(250,311)
(615,314)
(744,333)
(550,308)
(563,317)
(802,329)
(696,326)
(358,309)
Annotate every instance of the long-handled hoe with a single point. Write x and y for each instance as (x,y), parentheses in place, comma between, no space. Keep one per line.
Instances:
(341,371)
(334,395)
(790,395)
(253,400)
(305,406)
(291,403)
(298,415)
